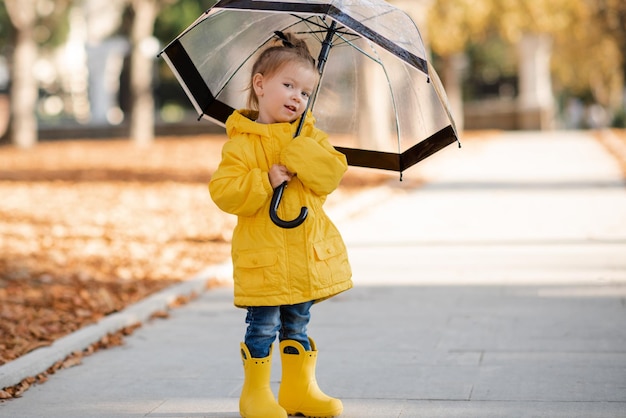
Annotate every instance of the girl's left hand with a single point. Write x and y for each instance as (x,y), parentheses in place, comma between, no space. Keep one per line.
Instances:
(279,174)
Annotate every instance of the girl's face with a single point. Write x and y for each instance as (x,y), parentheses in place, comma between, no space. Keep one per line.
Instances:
(284,95)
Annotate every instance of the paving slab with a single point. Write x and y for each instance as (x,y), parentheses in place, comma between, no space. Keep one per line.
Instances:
(401,351)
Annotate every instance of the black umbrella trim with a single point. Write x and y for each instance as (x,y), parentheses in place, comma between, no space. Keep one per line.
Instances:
(336,14)
(400,162)
(195,83)
(356,157)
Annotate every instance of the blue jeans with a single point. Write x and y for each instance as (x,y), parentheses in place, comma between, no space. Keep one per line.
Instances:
(264,322)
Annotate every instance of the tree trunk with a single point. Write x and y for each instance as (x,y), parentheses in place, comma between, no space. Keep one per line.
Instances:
(24,90)
(141,71)
(452,82)
(374,124)
(536,100)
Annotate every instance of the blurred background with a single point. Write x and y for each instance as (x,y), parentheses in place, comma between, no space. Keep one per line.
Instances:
(89,68)
(90,226)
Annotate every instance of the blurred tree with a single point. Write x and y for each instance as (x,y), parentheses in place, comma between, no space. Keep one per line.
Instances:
(23,95)
(143,53)
(611,39)
(451,26)
(5,41)
(172,20)
(33,23)
(5,27)
(588,37)
(612,13)
(28,25)
(175,17)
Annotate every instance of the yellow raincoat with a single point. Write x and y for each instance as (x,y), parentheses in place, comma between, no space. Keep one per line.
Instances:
(275,266)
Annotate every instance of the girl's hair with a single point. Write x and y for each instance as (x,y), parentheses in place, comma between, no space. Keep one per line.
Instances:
(286,48)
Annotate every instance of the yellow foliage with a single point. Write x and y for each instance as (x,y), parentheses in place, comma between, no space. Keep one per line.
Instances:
(586,53)
(452,23)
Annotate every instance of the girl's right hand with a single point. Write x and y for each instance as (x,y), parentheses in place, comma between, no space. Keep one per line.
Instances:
(278,174)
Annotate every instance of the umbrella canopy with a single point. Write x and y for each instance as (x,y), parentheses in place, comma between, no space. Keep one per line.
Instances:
(379,99)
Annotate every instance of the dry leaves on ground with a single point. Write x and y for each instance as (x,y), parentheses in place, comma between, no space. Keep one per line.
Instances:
(88,227)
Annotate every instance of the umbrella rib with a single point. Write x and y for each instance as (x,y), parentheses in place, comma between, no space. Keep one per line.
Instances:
(393,102)
(361,50)
(343,35)
(309,22)
(323,28)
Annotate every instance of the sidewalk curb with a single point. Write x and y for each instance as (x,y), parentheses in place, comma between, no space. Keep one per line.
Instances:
(40,360)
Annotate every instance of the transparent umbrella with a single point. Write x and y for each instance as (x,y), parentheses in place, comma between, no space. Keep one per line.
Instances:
(379,99)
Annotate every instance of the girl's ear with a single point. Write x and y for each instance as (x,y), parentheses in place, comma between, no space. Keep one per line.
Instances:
(257,84)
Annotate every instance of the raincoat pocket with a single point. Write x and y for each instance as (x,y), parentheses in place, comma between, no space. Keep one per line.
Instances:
(257,271)
(331,261)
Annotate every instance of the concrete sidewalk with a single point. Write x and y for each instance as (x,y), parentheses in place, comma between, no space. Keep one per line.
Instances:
(497,290)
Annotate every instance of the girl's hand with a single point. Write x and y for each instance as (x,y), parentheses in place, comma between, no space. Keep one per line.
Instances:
(279,174)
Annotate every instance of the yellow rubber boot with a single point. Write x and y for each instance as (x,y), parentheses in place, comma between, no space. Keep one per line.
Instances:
(299,392)
(257,399)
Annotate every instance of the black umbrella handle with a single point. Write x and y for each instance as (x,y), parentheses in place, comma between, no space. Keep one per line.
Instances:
(278,192)
(276,198)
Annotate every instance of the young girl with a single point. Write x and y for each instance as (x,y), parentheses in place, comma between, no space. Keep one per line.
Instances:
(280,273)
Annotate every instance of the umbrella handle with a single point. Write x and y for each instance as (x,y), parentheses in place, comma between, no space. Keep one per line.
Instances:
(276,198)
(278,192)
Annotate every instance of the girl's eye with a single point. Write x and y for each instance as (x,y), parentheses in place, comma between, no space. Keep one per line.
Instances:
(305,94)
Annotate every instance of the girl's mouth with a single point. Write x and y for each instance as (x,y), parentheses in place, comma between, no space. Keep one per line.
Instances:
(291,108)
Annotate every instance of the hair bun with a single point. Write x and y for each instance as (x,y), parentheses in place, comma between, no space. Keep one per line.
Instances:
(284,39)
